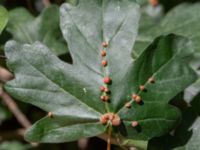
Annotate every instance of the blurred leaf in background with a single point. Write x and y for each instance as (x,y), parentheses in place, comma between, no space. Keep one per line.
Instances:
(14,145)
(25,28)
(182,20)
(3,18)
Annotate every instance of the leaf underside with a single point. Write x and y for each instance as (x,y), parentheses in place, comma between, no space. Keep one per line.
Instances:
(71,92)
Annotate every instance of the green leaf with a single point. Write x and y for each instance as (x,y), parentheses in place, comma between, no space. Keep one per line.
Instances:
(182,20)
(71,92)
(45,28)
(141,145)
(63,129)
(14,145)
(3,18)
(193,141)
(185,137)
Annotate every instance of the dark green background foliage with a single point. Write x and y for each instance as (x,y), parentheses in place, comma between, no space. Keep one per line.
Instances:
(54,53)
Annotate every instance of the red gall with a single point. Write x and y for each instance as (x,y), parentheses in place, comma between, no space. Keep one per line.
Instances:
(50,114)
(103,119)
(102,88)
(138,99)
(106,98)
(116,121)
(102,98)
(134,96)
(134,124)
(128,105)
(106,90)
(104,63)
(103,53)
(154,2)
(151,80)
(107,80)
(105,44)
(142,88)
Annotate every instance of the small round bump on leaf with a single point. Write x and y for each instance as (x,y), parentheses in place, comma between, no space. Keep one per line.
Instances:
(138,99)
(154,2)
(111,116)
(106,90)
(151,80)
(106,98)
(102,88)
(105,44)
(102,98)
(142,88)
(104,63)
(107,80)
(103,119)
(134,124)
(103,53)
(50,114)
(134,96)
(128,105)
(116,121)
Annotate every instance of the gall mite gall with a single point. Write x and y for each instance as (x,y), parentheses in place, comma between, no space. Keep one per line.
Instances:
(106,90)
(107,80)
(142,88)
(134,124)
(106,98)
(50,114)
(103,53)
(128,105)
(134,96)
(105,44)
(116,121)
(111,116)
(151,80)
(153,2)
(107,116)
(102,98)
(104,63)
(138,99)
(103,119)
(102,88)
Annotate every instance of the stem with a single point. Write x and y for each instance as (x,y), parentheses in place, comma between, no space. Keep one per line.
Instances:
(30,6)
(109,137)
(59,2)
(5,75)
(14,109)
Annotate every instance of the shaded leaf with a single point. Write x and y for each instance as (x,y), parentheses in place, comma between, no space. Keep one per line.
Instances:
(25,28)
(182,20)
(14,145)
(3,18)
